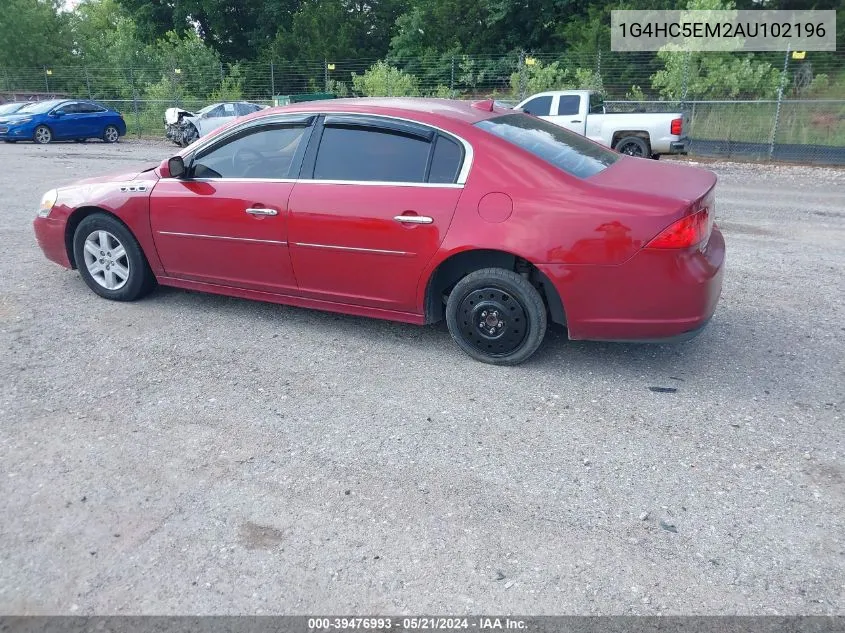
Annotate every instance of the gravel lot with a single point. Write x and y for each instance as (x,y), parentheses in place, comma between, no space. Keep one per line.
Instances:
(191,453)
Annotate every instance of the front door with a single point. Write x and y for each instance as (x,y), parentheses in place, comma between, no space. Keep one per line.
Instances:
(372,209)
(227,221)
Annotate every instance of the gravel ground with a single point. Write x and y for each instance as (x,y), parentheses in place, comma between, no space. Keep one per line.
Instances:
(191,453)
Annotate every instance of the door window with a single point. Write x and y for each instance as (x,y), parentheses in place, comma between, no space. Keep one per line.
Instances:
(267,152)
(446,162)
(596,103)
(568,104)
(246,108)
(69,108)
(371,154)
(539,106)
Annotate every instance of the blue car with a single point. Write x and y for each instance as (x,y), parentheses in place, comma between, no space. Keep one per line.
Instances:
(62,120)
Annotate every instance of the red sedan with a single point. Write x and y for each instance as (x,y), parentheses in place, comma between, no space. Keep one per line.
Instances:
(413,210)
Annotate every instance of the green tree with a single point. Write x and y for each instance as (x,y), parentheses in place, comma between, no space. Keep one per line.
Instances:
(34,33)
(555,76)
(383,80)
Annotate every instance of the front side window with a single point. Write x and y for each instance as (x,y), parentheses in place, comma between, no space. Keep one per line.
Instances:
(70,108)
(268,152)
(566,150)
(371,154)
(539,106)
(212,112)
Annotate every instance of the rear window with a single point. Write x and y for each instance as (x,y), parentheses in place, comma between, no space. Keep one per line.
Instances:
(565,150)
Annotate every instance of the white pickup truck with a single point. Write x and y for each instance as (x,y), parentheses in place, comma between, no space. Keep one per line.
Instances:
(636,134)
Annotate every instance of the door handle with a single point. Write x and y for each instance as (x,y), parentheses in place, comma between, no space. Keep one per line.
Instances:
(573,121)
(262,211)
(413,219)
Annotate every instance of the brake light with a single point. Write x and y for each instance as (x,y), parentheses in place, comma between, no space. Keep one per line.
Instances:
(689,231)
(677,126)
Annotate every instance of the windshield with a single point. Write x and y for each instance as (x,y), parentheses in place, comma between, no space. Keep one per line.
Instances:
(207,108)
(40,107)
(8,108)
(566,150)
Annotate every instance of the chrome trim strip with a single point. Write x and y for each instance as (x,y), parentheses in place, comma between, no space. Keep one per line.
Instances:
(413,219)
(223,237)
(280,117)
(382,183)
(354,249)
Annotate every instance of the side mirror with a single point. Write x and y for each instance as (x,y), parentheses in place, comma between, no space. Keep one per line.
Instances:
(57,113)
(173,167)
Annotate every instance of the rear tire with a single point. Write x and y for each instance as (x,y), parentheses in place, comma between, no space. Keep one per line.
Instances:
(110,260)
(496,316)
(111,134)
(633,146)
(42,135)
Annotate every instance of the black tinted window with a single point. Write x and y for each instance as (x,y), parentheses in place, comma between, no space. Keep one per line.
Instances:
(90,107)
(564,149)
(263,153)
(596,103)
(69,108)
(540,106)
(568,104)
(446,161)
(355,153)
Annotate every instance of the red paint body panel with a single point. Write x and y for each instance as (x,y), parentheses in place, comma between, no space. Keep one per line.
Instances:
(203,233)
(345,219)
(587,236)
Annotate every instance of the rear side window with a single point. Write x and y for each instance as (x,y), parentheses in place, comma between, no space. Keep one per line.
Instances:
(446,161)
(539,106)
(565,150)
(568,104)
(371,154)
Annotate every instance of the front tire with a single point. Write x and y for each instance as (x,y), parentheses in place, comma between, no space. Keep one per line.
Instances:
(496,316)
(42,135)
(111,134)
(110,260)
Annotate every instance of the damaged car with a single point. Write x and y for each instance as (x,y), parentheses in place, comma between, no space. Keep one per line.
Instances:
(184,127)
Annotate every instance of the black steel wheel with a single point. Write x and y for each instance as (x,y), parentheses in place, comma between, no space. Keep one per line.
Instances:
(496,316)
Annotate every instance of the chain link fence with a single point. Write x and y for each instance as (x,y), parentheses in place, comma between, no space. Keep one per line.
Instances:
(771,106)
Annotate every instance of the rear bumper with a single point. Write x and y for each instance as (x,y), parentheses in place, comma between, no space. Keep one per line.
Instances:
(679,147)
(656,296)
(50,234)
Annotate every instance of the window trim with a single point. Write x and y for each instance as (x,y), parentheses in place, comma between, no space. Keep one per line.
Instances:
(316,133)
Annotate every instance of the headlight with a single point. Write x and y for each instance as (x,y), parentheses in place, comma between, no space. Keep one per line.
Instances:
(47,202)
(21,121)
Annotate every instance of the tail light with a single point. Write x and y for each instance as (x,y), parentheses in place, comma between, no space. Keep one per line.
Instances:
(677,126)
(689,231)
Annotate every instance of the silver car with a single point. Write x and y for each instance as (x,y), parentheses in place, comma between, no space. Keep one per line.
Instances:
(184,127)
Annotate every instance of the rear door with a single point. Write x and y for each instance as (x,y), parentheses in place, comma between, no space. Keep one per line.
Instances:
(92,118)
(374,203)
(569,114)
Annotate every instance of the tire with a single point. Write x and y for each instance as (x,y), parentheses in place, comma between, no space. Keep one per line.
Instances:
(482,297)
(42,135)
(190,135)
(633,146)
(113,276)
(111,134)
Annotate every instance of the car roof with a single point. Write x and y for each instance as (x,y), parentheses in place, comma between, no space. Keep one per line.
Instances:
(463,111)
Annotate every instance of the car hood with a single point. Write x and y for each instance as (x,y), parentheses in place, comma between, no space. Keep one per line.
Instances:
(11,118)
(127,176)
(171,115)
